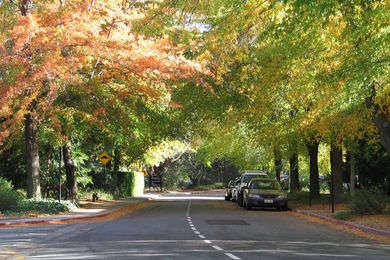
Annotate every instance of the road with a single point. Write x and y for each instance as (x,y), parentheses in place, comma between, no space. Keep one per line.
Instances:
(190,228)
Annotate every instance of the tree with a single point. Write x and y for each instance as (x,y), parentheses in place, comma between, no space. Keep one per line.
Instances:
(43,56)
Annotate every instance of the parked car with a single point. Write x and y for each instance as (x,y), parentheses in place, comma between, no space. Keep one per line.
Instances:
(264,192)
(228,190)
(234,189)
(244,180)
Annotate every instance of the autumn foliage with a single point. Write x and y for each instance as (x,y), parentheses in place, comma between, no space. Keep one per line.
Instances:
(83,44)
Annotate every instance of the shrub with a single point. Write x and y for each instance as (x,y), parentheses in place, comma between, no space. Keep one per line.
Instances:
(298,195)
(368,201)
(46,206)
(343,215)
(9,198)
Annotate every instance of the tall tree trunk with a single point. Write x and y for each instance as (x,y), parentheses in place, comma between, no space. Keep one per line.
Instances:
(294,169)
(278,163)
(336,165)
(31,134)
(31,143)
(115,172)
(70,170)
(380,117)
(314,177)
(352,173)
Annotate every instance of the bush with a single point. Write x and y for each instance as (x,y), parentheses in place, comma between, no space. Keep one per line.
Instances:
(343,215)
(45,206)
(9,198)
(368,201)
(298,195)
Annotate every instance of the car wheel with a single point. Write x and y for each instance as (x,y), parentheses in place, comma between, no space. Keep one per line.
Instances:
(239,200)
(248,206)
(285,208)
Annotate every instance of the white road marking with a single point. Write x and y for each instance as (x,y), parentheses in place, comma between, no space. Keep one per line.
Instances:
(232,256)
(188,210)
(202,236)
(217,248)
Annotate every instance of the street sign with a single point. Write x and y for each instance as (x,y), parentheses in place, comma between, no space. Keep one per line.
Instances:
(104,158)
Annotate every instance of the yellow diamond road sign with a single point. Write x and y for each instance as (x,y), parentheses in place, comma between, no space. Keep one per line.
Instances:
(104,158)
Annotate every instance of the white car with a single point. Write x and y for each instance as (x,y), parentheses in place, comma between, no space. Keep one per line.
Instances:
(245,179)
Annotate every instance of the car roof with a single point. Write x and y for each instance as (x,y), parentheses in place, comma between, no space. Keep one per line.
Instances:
(261,179)
(255,173)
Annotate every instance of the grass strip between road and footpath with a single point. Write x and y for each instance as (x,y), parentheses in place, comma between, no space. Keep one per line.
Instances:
(361,231)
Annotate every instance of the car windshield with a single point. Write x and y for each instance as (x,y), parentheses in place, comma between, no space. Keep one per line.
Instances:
(249,177)
(265,184)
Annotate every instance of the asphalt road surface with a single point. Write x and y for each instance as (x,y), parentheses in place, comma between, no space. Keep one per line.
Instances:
(190,228)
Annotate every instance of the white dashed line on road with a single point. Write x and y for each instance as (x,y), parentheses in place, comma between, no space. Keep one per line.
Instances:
(203,237)
(217,248)
(232,256)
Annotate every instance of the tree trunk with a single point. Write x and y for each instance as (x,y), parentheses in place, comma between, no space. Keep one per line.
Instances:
(115,172)
(352,173)
(294,170)
(25,7)
(380,118)
(31,143)
(336,165)
(278,163)
(70,170)
(314,177)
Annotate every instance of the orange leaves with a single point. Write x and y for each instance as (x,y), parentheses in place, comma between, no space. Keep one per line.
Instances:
(80,44)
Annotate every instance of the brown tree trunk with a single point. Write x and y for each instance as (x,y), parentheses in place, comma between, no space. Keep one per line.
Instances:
(336,165)
(380,117)
(32,154)
(352,173)
(314,177)
(278,163)
(294,170)
(25,7)
(70,170)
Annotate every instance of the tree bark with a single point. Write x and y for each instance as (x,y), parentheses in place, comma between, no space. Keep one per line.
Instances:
(336,165)
(314,177)
(278,163)
(25,7)
(70,170)
(352,173)
(380,118)
(32,154)
(294,169)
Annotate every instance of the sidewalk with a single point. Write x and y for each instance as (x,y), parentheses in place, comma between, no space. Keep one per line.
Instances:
(88,211)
